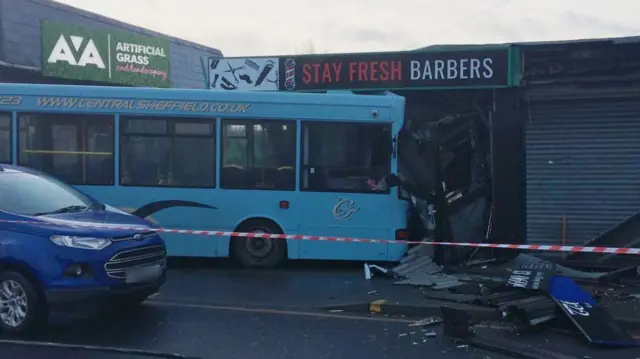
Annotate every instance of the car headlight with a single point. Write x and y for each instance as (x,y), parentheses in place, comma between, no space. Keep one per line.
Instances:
(81,242)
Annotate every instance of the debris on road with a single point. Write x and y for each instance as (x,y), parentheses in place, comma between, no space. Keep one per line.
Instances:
(426,322)
(524,293)
(368,273)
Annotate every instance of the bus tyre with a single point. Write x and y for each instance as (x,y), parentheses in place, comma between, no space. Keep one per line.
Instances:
(22,308)
(259,252)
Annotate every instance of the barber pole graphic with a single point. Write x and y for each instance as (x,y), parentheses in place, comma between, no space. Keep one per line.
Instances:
(290,74)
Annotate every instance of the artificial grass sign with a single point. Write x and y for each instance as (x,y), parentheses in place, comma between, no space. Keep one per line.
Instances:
(121,57)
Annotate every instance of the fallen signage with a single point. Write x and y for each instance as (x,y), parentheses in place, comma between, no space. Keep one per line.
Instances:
(592,320)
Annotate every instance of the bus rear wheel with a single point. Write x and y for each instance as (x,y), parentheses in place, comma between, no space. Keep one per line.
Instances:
(259,252)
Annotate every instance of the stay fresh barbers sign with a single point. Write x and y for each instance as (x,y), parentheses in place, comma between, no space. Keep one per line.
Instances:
(121,57)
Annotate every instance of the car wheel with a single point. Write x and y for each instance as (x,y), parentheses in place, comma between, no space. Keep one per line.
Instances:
(260,252)
(22,309)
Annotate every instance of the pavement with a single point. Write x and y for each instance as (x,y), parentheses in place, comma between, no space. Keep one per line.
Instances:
(220,312)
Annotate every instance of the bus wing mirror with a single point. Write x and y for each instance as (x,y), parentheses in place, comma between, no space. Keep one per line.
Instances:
(392,180)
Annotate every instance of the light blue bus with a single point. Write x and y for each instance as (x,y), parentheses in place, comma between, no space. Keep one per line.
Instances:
(233,161)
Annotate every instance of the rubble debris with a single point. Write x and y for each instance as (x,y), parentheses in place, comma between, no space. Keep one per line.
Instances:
(426,322)
(457,326)
(414,263)
(368,274)
(622,234)
(530,311)
(499,298)
(456,323)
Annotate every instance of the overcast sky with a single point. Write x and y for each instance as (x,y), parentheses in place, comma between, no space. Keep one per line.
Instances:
(255,27)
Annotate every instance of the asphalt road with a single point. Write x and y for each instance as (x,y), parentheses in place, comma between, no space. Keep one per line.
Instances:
(230,313)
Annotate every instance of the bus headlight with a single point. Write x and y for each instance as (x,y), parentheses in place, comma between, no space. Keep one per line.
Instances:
(81,242)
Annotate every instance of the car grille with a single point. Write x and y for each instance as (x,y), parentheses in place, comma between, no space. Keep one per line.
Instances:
(130,237)
(138,257)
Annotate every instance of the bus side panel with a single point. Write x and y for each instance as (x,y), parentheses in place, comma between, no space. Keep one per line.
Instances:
(205,209)
(345,215)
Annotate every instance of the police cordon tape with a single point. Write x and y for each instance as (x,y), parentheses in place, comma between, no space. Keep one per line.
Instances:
(204,232)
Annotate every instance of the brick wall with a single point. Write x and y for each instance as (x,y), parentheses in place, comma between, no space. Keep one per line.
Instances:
(20,37)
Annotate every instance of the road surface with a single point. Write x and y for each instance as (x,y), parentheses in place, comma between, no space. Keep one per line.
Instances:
(232,313)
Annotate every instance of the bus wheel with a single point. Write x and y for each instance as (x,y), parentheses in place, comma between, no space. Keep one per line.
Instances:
(259,252)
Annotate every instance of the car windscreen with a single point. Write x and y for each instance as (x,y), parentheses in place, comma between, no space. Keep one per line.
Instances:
(29,194)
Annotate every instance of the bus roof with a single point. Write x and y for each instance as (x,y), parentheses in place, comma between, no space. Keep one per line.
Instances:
(385,100)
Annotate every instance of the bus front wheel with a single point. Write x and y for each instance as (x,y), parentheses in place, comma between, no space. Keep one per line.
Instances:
(259,252)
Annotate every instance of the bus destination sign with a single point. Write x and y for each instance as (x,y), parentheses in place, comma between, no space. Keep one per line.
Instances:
(395,70)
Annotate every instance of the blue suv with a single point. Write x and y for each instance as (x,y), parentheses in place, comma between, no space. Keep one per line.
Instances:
(53,253)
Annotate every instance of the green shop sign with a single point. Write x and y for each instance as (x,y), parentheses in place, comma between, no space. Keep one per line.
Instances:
(121,57)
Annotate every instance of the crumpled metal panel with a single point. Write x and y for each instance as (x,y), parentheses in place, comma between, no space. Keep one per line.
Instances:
(419,269)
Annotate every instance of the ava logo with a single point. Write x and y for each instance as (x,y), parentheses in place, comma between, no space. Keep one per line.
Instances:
(344,208)
(86,48)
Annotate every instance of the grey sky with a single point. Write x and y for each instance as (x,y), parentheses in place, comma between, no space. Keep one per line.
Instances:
(254,27)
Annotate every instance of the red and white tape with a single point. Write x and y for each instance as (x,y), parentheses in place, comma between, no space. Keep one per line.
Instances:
(529,247)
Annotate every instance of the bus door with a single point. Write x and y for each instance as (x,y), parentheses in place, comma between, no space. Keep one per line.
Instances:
(342,191)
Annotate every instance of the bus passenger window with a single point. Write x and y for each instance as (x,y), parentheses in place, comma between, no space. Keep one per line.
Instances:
(167,152)
(77,149)
(345,157)
(5,138)
(258,155)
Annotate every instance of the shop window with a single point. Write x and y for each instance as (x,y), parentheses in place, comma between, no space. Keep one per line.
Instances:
(77,149)
(5,138)
(167,152)
(258,155)
(345,157)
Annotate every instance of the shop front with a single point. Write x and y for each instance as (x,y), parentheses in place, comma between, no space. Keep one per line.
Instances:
(463,101)
(581,141)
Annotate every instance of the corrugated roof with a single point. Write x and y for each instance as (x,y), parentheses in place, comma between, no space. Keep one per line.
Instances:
(453,47)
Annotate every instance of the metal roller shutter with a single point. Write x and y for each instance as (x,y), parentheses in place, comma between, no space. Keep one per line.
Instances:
(582,161)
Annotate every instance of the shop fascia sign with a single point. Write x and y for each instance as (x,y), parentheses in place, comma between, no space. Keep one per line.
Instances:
(487,68)
(69,51)
(396,70)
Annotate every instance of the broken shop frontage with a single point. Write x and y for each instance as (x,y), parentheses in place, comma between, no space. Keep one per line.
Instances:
(472,158)
(581,143)
(459,150)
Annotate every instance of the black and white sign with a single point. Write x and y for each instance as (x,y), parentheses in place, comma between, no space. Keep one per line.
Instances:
(245,74)
(528,279)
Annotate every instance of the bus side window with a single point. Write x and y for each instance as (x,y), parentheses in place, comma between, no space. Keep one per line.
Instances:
(5,138)
(345,157)
(167,152)
(65,146)
(258,154)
